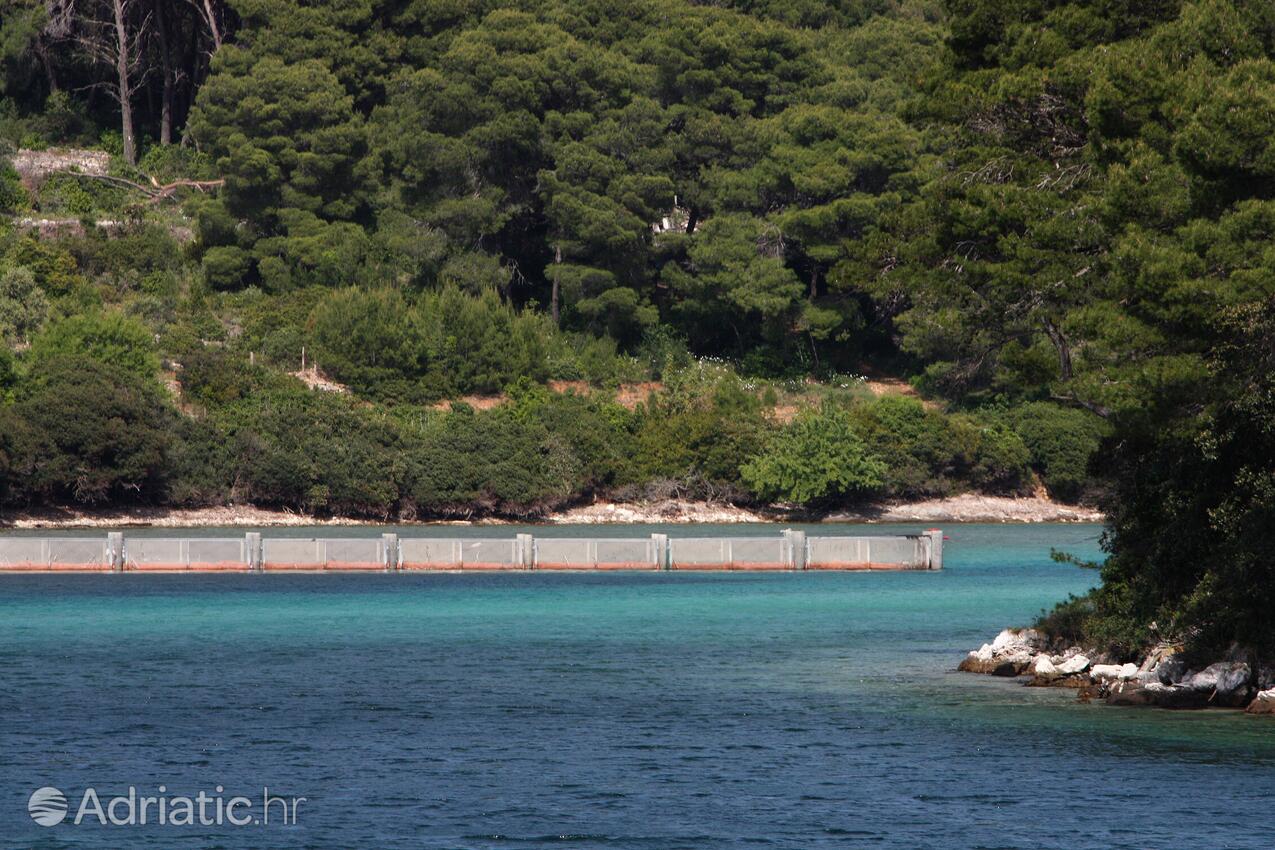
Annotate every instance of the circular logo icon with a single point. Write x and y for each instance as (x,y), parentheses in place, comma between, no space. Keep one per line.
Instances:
(47,806)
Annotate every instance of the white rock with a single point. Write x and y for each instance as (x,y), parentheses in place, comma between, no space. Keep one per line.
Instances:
(1105,671)
(1010,639)
(1004,640)
(1072,666)
(1263,703)
(1043,667)
(1114,671)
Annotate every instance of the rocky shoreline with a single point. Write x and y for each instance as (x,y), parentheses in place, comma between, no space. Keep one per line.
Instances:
(963,508)
(1162,678)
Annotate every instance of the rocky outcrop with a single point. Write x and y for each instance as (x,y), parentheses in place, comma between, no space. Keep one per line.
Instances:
(1156,695)
(1110,673)
(1010,654)
(1069,670)
(1229,683)
(1161,679)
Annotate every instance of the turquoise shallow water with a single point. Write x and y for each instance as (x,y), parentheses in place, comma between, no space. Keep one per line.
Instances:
(603,710)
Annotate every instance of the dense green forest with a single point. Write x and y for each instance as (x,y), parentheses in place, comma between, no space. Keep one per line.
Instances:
(1052,217)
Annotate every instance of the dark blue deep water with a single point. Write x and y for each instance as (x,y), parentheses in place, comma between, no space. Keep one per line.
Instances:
(603,710)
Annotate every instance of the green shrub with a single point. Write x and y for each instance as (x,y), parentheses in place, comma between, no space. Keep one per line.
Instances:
(371,341)
(173,162)
(996,460)
(23,305)
(54,267)
(201,464)
(1069,621)
(819,459)
(390,347)
(93,431)
(12,196)
(492,460)
(929,453)
(109,337)
(8,374)
(921,453)
(311,451)
(218,377)
(1061,441)
(227,267)
(598,433)
(126,256)
(706,434)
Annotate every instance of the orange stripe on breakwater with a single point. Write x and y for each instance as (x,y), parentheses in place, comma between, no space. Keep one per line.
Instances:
(329,567)
(196,567)
(859,566)
(735,566)
(614,565)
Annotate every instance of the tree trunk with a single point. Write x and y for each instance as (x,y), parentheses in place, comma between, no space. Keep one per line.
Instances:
(213,29)
(166,60)
(1062,347)
(125,86)
(814,283)
(553,297)
(50,74)
(193,65)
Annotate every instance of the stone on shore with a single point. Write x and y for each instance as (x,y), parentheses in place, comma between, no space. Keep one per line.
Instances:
(1043,668)
(1171,670)
(1131,693)
(1160,680)
(1113,672)
(1227,683)
(1263,703)
(1009,654)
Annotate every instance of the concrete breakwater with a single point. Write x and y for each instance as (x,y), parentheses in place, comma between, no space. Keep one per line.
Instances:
(791,550)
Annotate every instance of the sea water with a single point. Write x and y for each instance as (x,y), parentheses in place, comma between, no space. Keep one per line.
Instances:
(628,710)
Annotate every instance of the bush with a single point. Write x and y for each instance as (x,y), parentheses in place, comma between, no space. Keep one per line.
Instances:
(929,453)
(127,256)
(1069,621)
(994,458)
(311,451)
(23,305)
(201,464)
(227,267)
(370,342)
(8,374)
(108,337)
(218,377)
(54,267)
(91,431)
(174,162)
(1061,441)
(12,196)
(446,343)
(818,459)
(703,436)
(492,461)
(598,433)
